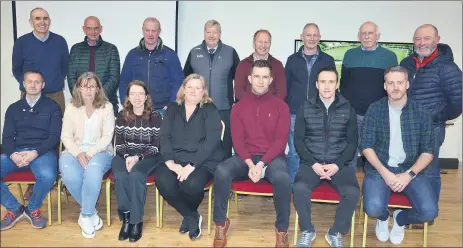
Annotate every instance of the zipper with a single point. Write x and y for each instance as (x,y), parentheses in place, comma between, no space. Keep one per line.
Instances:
(149,64)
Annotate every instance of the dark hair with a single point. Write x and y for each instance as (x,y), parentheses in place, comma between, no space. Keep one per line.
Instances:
(262,31)
(129,115)
(33,72)
(329,69)
(261,64)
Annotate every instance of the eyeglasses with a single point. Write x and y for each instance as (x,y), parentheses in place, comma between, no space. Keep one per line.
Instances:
(91,87)
(137,94)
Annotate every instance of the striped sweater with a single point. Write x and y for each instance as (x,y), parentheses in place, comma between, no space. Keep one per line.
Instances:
(139,137)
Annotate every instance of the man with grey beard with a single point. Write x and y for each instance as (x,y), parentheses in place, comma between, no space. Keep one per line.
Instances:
(435,82)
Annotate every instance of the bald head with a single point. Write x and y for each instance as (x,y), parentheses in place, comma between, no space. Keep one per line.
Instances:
(37,9)
(428,27)
(369,35)
(92,29)
(425,40)
(92,19)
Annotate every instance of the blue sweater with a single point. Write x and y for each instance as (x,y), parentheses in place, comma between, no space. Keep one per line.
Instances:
(49,57)
(362,76)
(38,128)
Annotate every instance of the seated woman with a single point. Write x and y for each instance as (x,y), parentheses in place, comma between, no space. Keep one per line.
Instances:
(137,154)
(88,128)
(191,148)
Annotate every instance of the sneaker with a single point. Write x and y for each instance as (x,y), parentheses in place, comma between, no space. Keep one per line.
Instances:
(86,224)
(96,221)
(36,219)
(397,232)
(335,240)
(382,230)
(184,226)
(194,224)
(12,217)
(306,239)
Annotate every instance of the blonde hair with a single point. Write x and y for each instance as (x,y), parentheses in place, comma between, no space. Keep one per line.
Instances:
(212,23)
(129,115)
(84,79)
(181,91)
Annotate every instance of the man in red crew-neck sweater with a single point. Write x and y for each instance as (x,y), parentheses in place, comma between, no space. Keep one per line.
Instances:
(259,129)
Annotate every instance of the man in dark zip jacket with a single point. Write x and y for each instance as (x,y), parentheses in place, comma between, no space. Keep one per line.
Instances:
(435,82)
(154,64)
(326,141)
(217,63)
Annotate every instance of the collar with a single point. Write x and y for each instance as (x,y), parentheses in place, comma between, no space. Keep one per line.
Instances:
(215,48)
(42,39)
(32,104)
(142,46)
(426,60)
(265,58)
(262,97)
(363,48)
(97,43)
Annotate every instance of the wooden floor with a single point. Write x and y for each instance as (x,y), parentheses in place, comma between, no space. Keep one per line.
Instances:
(251,227)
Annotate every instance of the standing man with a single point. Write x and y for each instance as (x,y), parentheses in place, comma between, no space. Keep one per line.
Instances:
(362,73)
(261,43)
(43,51)
(98,56)
(30,135)
(155,64)
(260,127)
(435,82)
(216,62)
(301,71)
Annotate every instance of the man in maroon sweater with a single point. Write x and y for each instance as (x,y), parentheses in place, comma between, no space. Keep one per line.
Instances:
(261,43)
(259,128)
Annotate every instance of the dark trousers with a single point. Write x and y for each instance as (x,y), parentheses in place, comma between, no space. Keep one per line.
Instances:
(131,186)
(227,140)
(185,196)
(234,169)
(344,182)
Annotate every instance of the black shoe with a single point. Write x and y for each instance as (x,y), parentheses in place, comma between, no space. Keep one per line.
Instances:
(125,229)
(135,232)
(184,226)
(194,223)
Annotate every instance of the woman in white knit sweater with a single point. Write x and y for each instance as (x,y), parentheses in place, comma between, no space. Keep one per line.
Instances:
(88,127)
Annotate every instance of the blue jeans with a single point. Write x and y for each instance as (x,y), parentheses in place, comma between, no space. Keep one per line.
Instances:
(293,158)
(419,192)
(44,170)
(354,162)
(84,184)
(432,172)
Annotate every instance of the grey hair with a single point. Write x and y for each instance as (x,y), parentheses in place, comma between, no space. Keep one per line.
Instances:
(310,24)
(376,27)
(211,23)
(152,19)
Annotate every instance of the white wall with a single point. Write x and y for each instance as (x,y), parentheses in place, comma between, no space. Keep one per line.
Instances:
(337,21)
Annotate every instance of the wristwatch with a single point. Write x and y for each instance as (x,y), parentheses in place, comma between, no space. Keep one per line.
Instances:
(263,163)
(411,173)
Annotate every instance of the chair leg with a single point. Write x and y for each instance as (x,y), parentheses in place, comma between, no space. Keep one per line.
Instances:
(361,210)
(209,210)
(21,195)
(296,225)
(425,235)
(236,202)
(352,230)
(228,208)
(410,227)
(49,209)
(365,224)
(108,201)
(65,191)
(157,207)
(161,211)
(59,201)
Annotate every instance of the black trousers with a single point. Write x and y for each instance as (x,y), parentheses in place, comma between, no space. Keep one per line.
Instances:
(234,169)
(131,186)
(344,182)
(227,140)
(185,196)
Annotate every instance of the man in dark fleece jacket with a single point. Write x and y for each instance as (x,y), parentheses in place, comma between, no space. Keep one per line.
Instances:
(326,140)
(435,82)
(301,73)
(260,127)
(31,133)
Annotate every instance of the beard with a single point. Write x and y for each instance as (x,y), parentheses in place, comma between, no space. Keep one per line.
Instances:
(425,52)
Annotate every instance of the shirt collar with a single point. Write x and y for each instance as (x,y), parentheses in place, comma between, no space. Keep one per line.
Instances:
(215,48)
(370,50)
(32,104)
(265,58)
(42,39)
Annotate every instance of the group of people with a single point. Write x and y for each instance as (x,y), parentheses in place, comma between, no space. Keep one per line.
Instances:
(170,125)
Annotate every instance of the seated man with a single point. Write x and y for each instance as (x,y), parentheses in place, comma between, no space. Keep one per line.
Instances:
(259,129)
(397,141)
(325,138)
(31,133)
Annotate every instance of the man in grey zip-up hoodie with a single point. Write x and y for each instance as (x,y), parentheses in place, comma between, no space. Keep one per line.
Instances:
(216,62)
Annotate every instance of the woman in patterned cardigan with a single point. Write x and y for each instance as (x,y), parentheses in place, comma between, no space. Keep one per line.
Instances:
(137,155)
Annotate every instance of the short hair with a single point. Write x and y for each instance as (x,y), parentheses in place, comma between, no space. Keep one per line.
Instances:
(152,19)
(261,64)
(33,72)
(100,98)
(212,23)
(37,8)
(181,91)
(310,24)
(128,113)
(262,31)
(329,69)
(397,68)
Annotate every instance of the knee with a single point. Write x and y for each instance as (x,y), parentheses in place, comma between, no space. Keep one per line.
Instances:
(428,212)
(301,187)
(138,176)
(191,187)
(374,207)
(222,173)
(351,193)
(281,178)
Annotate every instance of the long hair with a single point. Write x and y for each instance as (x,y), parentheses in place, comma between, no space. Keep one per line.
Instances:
(83,81)
(181,91)
(129,115)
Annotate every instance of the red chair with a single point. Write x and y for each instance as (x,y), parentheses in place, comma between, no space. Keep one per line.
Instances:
(396,200)
(324,193)
(248,187)
(25,177)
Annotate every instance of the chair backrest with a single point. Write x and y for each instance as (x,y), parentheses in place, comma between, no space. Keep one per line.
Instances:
(223,130)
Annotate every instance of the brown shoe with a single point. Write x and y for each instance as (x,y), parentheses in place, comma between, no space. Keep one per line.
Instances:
(282,239)
(220,239)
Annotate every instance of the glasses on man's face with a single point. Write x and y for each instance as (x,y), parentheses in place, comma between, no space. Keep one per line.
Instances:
(88,87)
(137,94)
